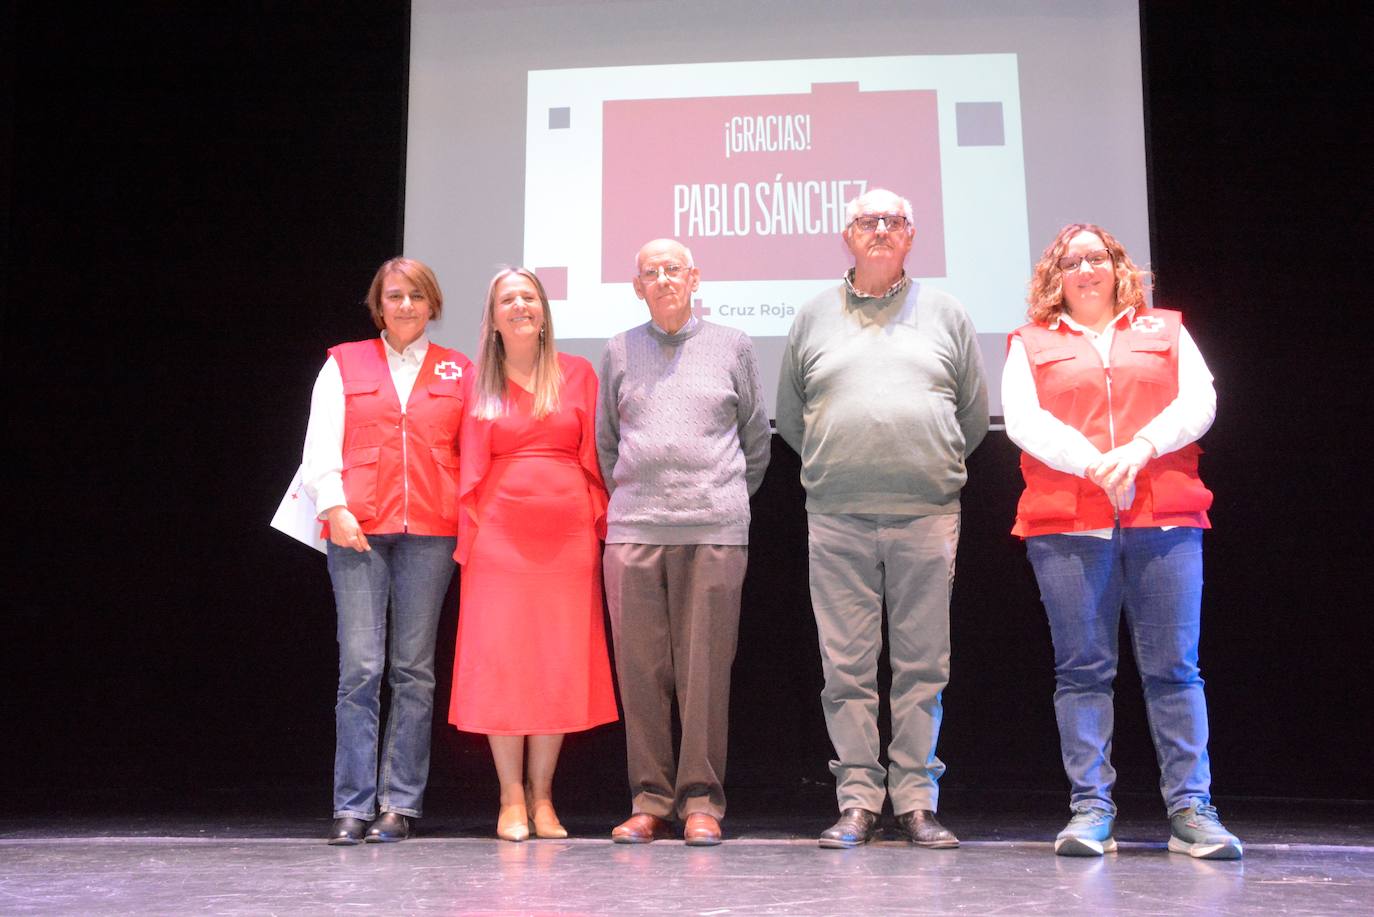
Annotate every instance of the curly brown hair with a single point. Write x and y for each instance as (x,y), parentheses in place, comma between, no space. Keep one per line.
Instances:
(1046,299)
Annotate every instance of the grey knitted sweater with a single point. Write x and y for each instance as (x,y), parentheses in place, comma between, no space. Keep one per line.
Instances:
(883,398)
(682,434)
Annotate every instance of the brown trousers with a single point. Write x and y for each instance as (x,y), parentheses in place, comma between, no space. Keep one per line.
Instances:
(675,621)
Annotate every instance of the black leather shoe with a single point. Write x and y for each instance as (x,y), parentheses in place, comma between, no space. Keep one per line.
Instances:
(922,829)
(347,831)
(855,828)
(389,828)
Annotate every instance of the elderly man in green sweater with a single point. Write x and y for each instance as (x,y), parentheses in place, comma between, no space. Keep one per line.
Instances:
(683,439)
(882,395)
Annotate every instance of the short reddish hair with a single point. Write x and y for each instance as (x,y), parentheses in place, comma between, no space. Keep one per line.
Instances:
(418,273)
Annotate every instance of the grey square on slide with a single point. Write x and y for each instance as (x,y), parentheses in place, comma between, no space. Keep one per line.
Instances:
(561,118)
(979,123)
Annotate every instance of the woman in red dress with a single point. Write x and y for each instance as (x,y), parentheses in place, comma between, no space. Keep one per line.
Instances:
(531,661)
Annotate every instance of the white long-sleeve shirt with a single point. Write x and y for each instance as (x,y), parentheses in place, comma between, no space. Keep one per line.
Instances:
(322,458)
(1064,448)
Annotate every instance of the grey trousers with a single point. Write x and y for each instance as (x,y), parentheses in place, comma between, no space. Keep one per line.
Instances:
(858,562)
(675,622)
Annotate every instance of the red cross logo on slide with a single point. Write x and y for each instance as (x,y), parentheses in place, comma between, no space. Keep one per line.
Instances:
(1148,324)
(448,370)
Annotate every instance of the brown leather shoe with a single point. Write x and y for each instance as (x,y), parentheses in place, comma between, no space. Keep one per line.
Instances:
(641,828)
(702,830)
(921,827)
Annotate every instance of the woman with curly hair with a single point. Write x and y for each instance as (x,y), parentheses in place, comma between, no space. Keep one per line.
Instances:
(1106,397)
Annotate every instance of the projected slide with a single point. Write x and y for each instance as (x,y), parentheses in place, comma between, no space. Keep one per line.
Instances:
(751,164)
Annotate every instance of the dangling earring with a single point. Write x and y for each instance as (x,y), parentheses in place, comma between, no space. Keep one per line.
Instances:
(541,335)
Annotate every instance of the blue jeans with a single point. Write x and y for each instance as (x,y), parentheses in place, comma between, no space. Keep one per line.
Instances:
(413,573)
(1085,582)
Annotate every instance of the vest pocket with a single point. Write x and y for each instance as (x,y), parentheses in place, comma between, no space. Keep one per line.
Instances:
(1150,345)
(1174,483)
(361,386)
(449,412)
(446,467)
(1151,362)
(1049,494)
(446,388)
(1055,372)
(360,481)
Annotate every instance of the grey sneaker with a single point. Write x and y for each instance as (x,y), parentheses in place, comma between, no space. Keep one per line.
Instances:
(1199,833)
(1088,834)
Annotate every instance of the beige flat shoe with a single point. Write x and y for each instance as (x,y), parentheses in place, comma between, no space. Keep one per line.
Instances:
(512,824)
(543,819)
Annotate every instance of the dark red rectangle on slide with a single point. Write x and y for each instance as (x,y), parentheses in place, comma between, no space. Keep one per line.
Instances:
(756,185)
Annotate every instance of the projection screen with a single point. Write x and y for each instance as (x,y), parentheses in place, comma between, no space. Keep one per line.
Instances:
(563,135)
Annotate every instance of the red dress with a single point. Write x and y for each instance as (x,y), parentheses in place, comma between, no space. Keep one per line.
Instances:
(531,654)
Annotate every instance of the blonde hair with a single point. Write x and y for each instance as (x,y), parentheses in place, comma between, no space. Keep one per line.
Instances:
(418,273)
(1046,299)
(492,385)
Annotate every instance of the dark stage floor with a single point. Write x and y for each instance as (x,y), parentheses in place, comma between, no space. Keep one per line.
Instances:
(1302,857)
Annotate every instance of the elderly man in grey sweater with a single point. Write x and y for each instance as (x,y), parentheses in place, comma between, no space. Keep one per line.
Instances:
(882,395)
(683,439)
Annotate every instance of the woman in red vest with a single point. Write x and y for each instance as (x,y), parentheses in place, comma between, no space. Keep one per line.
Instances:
(1106,398)
(381,463)
(531,662)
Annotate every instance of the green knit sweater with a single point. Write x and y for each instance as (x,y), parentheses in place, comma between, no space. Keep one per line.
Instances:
(883,399)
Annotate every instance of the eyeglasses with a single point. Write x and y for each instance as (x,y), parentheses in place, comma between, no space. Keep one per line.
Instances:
(671,271)
(893,222)
(1095,259)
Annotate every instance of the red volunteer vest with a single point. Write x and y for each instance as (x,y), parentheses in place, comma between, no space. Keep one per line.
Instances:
(1109,408)
(400,470)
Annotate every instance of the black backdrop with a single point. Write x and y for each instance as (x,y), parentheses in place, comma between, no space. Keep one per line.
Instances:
(198,197)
